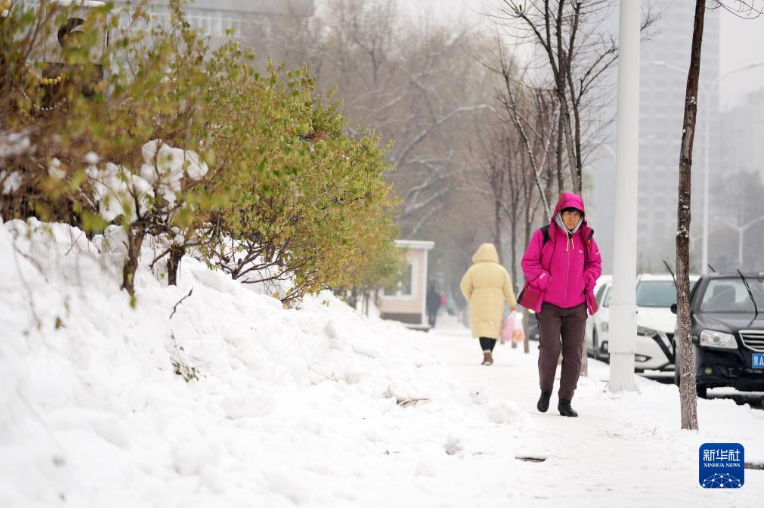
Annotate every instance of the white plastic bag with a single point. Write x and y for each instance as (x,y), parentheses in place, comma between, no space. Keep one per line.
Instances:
(518,333)
(508,329)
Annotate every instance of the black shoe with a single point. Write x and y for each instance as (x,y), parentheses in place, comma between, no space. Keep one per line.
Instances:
(564,408)
(543,403)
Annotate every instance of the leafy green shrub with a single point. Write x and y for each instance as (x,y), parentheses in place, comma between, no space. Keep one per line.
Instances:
(252,172)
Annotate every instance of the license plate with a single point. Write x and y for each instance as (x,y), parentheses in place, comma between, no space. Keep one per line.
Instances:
(758,360)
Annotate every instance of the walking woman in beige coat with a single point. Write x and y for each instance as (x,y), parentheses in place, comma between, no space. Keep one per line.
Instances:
(486,286)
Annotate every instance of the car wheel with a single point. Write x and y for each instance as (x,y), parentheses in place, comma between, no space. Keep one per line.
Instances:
(702,391)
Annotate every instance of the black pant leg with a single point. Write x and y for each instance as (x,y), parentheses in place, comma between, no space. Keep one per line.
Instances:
(487,344)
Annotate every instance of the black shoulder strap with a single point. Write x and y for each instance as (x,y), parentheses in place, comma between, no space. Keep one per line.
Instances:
(545,232)
(586,247)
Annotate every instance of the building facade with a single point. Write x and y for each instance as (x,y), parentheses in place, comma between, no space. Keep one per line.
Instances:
(664,62)
(406,301)
(742,134)
(247,19)
(663,80)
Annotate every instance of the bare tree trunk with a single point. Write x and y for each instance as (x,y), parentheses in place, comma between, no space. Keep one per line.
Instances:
(134,243)
(578,181)
(512,102)
(561,68)
(575,170)
(513,241)
(497,212)
(516,288)
(528,195)
(687,393)
(560,184)
(498,209)
(173,263)
(352,298)
(549,188)
(514,256)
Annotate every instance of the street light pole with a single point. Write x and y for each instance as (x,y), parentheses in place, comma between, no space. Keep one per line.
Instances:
(623,308)
(740,231)
(707,94)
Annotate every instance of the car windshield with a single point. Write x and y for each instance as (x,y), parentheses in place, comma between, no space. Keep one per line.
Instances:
(657,293)
(652,293)
(730,295)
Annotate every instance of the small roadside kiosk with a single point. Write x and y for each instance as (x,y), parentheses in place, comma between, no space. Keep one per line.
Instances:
(406,302)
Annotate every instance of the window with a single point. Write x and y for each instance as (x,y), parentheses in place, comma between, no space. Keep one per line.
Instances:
(404,286)
(195,21)
(657,293)
(217,25)
(731,295)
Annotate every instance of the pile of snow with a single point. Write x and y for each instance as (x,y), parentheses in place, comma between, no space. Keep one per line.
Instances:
(162,171)
(207,394)
(165,167)
(508,412)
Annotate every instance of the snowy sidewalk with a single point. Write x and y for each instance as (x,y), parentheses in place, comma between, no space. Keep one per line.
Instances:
(624,449)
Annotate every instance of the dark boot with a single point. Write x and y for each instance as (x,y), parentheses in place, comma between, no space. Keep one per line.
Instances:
(564,408)
(543,403)
(487,358)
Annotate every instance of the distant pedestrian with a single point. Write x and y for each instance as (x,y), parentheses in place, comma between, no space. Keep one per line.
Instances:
(486,286)
(433,305)
(561,265)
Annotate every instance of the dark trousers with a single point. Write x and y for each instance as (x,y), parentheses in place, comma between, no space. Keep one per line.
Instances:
(561,330)
(487,344)
(432,316)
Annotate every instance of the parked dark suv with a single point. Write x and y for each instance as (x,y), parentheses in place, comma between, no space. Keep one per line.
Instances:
(727,315)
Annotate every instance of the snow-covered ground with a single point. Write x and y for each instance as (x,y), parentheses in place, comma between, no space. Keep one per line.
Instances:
(624,449)
(288,407)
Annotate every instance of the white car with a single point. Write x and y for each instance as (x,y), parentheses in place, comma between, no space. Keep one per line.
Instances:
(655,322)
(597,325)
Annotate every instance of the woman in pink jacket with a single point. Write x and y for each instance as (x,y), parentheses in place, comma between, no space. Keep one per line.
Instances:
(561,265)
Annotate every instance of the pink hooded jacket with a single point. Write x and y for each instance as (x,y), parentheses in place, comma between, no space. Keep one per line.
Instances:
(559,272)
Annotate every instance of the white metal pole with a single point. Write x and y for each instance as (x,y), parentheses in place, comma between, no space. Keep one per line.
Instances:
(623,309)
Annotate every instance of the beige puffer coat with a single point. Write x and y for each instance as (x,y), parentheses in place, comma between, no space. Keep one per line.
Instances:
(486,285)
